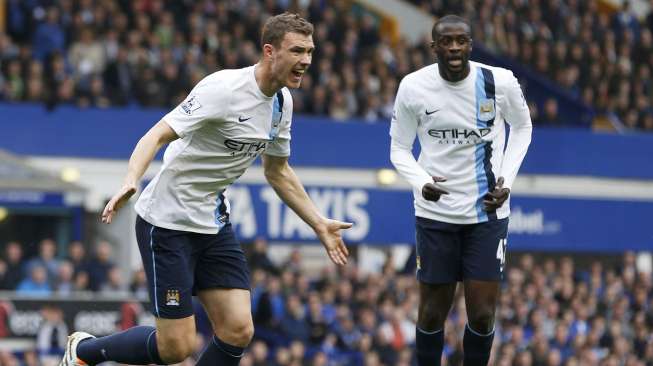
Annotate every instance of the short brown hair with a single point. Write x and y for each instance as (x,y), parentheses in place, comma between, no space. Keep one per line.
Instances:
(276,27)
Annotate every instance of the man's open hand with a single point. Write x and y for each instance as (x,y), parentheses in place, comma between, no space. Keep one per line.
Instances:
(331,238)
(117,201)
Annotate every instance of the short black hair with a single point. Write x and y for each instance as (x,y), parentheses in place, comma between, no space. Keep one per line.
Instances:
(448,19)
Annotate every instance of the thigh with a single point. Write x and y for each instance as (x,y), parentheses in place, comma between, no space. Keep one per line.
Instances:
(484,250)
(221,263)
(228,309)
(438,251)
(166,256)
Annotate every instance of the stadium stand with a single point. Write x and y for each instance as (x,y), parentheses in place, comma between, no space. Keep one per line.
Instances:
(120,53)
(552,311)
(602,56)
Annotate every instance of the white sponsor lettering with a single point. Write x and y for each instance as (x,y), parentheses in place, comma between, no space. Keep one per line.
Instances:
(25,322)
(532,222)
(97,322)
(356,213)
(274,211)
(282,222)
(293,226)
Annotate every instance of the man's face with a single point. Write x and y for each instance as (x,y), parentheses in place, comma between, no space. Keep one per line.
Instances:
(452,45)
(291,59)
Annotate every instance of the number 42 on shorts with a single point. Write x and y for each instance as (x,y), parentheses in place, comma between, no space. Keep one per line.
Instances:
(501,253)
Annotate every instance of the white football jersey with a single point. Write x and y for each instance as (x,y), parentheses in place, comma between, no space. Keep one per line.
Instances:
(462,135)
(224,124)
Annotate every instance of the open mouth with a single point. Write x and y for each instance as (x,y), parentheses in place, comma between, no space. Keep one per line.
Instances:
(298,73)
(456,62)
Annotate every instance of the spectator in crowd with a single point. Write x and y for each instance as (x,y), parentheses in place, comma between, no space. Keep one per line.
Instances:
(37,282)
(268,303)
(14,85)
(8,50)
(550,116)
(294,324)
(49,36)
(138,285)
(259,351)
(119,80)
(114,284)
(294,262)
(398,331)
(82,282)
(95,97)
(52,335)
(258,257)
(87,58)
(14,266)
(100,266)
(648,121)
(64,284)
(46,259)
(77,256)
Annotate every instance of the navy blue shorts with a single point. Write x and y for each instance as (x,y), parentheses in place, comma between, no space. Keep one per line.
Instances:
(180,263)
(449,253)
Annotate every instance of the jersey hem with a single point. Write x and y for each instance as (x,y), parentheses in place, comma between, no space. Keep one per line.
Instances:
(463,221)
(171,226)
(280,155)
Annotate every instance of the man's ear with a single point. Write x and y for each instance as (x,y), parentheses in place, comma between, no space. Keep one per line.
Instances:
(268,50)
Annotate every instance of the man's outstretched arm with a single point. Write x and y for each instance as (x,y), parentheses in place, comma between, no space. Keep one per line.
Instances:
(143,154)
(291,191)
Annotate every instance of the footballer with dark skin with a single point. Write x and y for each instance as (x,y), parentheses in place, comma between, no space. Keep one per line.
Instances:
(453,45)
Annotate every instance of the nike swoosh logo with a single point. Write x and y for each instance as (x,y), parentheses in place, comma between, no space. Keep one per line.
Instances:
(243,119)
(431,112)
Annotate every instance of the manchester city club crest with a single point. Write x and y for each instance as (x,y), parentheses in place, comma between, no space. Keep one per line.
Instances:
(172,297)
(486,110)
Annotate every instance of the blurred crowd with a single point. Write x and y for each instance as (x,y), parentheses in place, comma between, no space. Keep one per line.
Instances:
(604,59)
(151,52)
(47,274)
(101,53)
(551,312)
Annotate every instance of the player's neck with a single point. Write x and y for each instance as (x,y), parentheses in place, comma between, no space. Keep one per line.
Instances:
(263,75)
(453,77)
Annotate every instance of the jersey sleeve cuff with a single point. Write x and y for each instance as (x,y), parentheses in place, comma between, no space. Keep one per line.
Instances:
(175,127)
